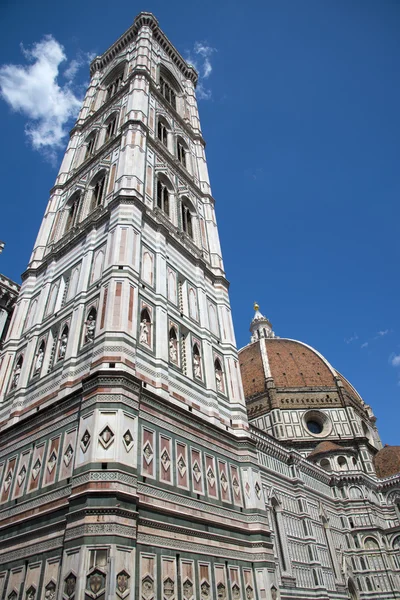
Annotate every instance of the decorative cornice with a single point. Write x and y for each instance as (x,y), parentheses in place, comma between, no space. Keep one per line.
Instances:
(144,19)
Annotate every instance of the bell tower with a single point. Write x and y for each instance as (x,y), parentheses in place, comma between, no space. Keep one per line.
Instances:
(122,409)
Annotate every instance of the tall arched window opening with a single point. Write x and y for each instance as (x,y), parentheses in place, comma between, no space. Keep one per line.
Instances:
(187,225)
(111,129)
(90,145)
(162,197)
(114,86)
(162,132)
(275,524)
(181,152)
(168,93)
(98,192)
(73,211)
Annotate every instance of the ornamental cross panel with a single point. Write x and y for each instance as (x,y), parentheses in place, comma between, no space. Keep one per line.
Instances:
(210,477)
(51,463)
(148,453)
(106,437)
(128,440)
(196,471)
(181,465)
(68,454)
(36,468)
(165,459)
(85,441)
(122,587)
(224,481)
(21,476)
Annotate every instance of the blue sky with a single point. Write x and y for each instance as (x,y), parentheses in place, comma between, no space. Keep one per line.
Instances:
(302,125)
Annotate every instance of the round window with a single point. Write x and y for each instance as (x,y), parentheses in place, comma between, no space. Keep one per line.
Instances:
(314,426)
(317,423)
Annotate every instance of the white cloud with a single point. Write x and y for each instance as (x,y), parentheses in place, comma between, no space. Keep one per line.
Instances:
(395,360)
(353,338)
(202,63)
(34,91)
(364,345)
(384,332)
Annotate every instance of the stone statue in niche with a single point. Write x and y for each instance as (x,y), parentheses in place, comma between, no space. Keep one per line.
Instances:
(274,593)
(173,351)
(218,379)
(16,374)
(144,334)
(197,365)
(90,327)
(39,359)
(63,344)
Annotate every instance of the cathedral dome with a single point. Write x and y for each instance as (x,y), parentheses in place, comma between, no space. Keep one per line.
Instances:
(299,374)
(387,461)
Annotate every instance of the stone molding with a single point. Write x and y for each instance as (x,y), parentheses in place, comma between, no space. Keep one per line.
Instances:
(37,548)
(198,505)
(100,529)
(105,476)
(192,548)
(63,492)
(201,533)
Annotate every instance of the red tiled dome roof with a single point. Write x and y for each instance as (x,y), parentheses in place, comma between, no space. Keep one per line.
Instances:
(387,461)
(324,447)
(291,364)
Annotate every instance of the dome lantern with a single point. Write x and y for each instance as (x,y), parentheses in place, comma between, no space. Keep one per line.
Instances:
(260,327)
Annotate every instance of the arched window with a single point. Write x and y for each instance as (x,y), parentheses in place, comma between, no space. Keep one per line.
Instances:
(114,86)
(369,585)
(187,224)
(370,543)
(276,527)
(355,540)
(219,376)
(181,152)
(342,462)
(111,127)
(325,464)
(97,190)
(352,590)
(363,564)
(73,210)
(355,493)
(168,92)
(90,145)
(162,131)
(173,346)
(162,196)
(145,327)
